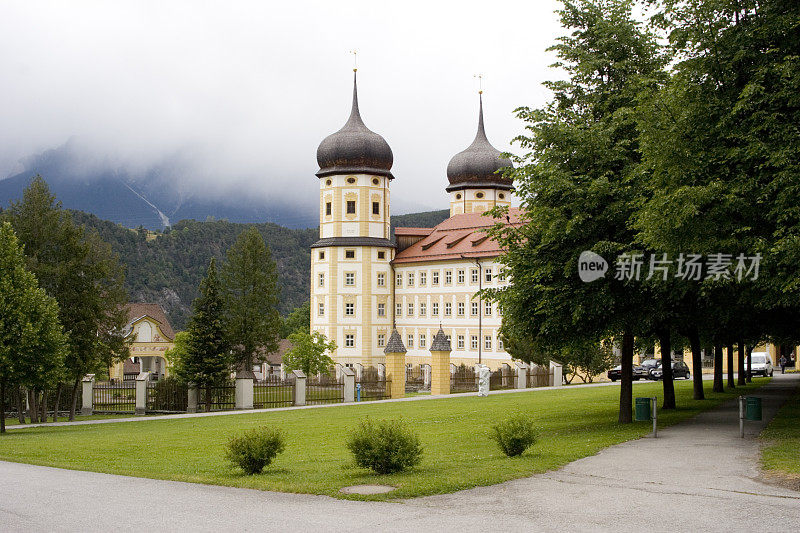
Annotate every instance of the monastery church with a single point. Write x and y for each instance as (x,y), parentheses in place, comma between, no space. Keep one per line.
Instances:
(364,284)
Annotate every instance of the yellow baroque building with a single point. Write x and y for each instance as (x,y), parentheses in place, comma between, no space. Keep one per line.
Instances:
(364,284)
(152,335)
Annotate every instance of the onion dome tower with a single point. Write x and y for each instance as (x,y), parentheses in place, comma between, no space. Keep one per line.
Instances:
(476,180)
(351,278)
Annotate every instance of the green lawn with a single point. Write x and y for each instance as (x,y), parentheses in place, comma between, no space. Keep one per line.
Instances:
(780,458)
(15,421)
(573,422)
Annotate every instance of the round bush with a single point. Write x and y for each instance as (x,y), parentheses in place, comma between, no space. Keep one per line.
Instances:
(384,447)
(514,435)
(255,449)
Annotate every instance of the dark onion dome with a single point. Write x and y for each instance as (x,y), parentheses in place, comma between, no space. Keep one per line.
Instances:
(354,149)
(477,166)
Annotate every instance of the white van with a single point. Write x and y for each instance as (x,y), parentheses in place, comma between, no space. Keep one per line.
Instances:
(760,364)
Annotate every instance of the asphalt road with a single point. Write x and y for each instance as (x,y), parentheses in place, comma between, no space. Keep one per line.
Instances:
(697,476)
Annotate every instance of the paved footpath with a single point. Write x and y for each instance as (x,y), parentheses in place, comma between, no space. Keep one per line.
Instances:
(697,476)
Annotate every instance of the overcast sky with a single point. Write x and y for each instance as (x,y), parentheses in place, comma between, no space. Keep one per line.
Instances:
(247,90)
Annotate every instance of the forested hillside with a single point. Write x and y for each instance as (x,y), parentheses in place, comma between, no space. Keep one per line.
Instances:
(167,267)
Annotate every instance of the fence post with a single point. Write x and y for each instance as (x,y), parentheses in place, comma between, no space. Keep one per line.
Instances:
(557,374)
(283,372)
(395,352)
(427,373)
(441,367)
(453,368)
(299,396)
(244,390)
(87,393)
(359,368)
(191,401)
(141,392)
(522,375)
(349,378)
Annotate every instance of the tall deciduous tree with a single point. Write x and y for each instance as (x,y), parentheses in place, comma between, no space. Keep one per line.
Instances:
(207,359)
(79,270)
(579,186)
(298,320)
(309,353)
(32,344)
(250,285)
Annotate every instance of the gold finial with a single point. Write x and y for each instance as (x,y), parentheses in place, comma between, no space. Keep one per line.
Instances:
(355,59)
(480,82)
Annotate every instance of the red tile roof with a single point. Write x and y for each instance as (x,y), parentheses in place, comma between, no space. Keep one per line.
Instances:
(459,235)
(154,311)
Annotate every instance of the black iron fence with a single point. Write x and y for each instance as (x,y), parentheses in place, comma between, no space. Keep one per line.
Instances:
(373,390)
(114,397)
(167,396)
(217,397)
(323,389)
(463,379)
(539,376)
(415,378)
(502,379)
(272,392)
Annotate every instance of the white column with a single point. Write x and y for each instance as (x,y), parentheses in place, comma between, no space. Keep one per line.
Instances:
(191,404)
(299,388)
(557,374)
(359,370)
(141,392)
(244,390)
(87,390)
(522,374)
(349,384)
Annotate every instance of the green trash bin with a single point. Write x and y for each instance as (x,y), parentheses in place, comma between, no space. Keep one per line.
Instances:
(752,408)
(643,409)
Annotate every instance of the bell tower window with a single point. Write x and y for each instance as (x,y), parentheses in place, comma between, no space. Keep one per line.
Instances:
(351,207)
(376,208)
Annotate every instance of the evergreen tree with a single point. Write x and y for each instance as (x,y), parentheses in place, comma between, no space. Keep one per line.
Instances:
(207,358)
(31,341)
(250,285)
(79,270)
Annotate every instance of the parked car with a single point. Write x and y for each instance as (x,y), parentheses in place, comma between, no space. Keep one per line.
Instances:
(760,363)
(616,373)
(648,365)
(679,369)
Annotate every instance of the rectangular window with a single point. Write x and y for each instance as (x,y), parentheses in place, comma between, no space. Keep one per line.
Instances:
(349,278)
(410,309)
(349,309)
(448,309)
(435,277)
(501,275)
(423,309)
(460,308)
(376,208)
(349,340)
(410,340)
(487,309)
(460,276)
(321,279)
(487,275)
(474,274)
(381,255)
(473,342)
(500,343)
(448,277)
(349,254)
(351,207)
(322,255)
(423,279)
(487,342)
(410,279)
(328,209)
(381,340)
(422,341)
(461,342)
(381,279)
(399,280)
(321,309)
(381,309)
(398,310)
(449,339)
(435,309)
(474,308)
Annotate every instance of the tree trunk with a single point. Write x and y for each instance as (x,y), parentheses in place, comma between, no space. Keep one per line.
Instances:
(58,402)
(20,410)
(731,381)
(740,367)
(666,369)
(2,406)
(43,416)
(73,399)
(749,365)
(33,412)
(626,380)
(697,365)
(718,387)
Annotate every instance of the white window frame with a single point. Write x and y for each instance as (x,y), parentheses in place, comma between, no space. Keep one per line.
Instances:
(321,309)
(399,279)
(349,340)
(460,276)
(460,345)
(381,279)
(410,282)
(349,309)
(423,278)
(434,308)
(410,341)
(488,275)
(381,309)
(448,309)
(461,309)
(448,277)
(474,276)
(423,309)
(381,340)
(350,279)
(321,279)
(398,309)
(410,309)
(422,341)
(473,342)
(435,278)
(474,309)
(487,343)
(487,308)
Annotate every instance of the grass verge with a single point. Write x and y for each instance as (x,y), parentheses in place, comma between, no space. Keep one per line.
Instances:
(780,455)
(571,423)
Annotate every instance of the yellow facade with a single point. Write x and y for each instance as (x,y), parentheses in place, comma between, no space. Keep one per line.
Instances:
(396,373)
(148,349)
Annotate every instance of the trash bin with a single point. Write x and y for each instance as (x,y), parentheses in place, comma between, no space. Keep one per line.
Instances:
(753,408)
(643,409)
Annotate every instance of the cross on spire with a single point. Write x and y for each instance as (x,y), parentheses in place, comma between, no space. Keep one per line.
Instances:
(480,82)
(355,59)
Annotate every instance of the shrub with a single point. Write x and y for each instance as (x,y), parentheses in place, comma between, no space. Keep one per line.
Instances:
(255,449)
(514,435)
(384,447)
